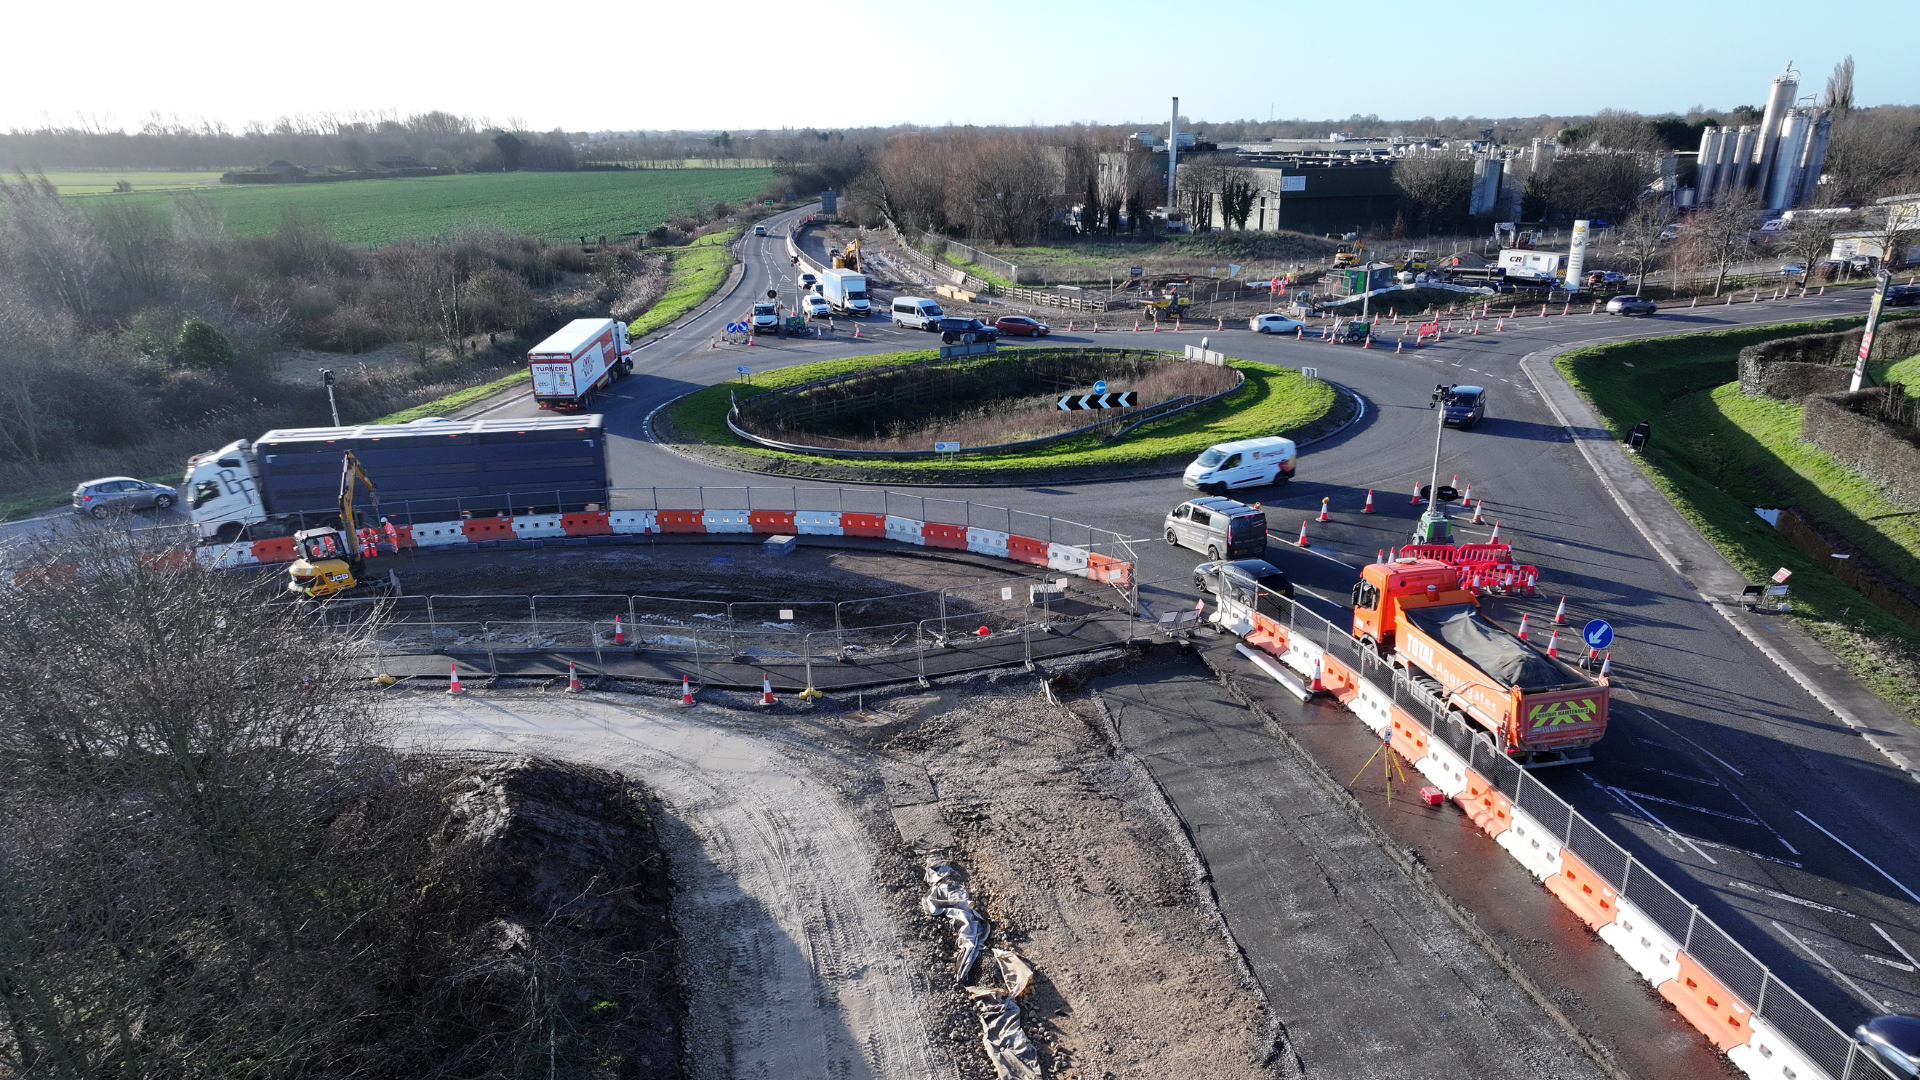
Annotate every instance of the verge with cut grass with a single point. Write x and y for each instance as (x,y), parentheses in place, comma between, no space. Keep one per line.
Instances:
(1274,401)
(1717,454)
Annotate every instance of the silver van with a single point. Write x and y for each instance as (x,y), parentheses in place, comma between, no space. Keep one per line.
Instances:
(917,312)
(1220,527)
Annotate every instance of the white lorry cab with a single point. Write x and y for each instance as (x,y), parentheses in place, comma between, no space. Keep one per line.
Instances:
(1242,464)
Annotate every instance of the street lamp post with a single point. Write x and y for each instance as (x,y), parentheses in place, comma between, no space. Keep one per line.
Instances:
(1434,528)
(326,376)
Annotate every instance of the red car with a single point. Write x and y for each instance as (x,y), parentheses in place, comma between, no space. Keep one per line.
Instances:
(1020,326)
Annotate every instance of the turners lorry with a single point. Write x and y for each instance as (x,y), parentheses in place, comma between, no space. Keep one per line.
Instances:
(289,480)
(577,361)
(847,292)
(1415,613)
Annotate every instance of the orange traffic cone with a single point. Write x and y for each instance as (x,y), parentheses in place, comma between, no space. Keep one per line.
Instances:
(1400,346)
(1136,326)
(1299,333)
(766,690)
(1606,664)
(1156,326)
(1522,635)
(619,632)
(1495,538)
(1368,509)
(1323,510)
(1176,324)
(686,691)
(573,678)
(1477,507)
(453,680)
(1069,326)
(1222,322)
(1315,686)
(1467,495)
(1553,645)
(1416,493)
(856,331)
(1560,616)
(1303,534)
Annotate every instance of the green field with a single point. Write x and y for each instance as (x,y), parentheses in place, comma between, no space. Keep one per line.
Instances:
(95,181)
(1723,453)
(1274,401)
(553,206)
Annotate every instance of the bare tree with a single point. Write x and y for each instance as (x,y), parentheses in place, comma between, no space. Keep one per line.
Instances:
(52,244)
(1237,193)
(1810,241)
(1640,237)
(1598,185)
(1725,232)
(1437,186)
(1840,88)
(1872,153)
(1891,228)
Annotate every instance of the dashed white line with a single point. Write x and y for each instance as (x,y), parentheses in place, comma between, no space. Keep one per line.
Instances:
(1808,949)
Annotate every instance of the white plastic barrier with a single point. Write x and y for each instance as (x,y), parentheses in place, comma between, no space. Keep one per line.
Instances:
(438,534)
(1646,948)
(224,555)
(1071,559)
(1769,1055)
(817,522)
(1529,841)
(538,526)
(905,530)
(1444,766)
(987,542)
(727,521)
(633,522)
(1372,705)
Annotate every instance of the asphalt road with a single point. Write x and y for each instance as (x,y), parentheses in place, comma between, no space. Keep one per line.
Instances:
(1718,771)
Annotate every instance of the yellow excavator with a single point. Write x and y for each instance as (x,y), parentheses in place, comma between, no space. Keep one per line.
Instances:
(848,259)
(332,560)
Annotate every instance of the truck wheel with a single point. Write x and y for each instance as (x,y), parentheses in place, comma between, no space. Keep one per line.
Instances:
(1172,539)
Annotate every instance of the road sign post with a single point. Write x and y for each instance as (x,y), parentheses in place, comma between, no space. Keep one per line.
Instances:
(1598,634)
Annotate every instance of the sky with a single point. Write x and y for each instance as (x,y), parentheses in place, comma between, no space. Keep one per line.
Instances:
(588,65)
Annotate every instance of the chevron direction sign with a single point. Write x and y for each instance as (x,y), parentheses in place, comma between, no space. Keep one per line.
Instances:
(1072,402)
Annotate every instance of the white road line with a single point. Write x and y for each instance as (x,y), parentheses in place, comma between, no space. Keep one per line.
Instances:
(1693,744)
(1862,858)
(1808,949)
(1690,806)
(1897,947)
(1895,964)
(1791,899)
(1673,837)
(1749,854)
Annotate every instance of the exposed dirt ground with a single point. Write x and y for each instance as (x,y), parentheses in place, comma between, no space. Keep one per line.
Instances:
(797,837)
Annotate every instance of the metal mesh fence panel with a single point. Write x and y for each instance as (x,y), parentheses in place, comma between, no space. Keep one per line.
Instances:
(1544,805)
(587,607)
(479,608)
(1659,901)
(1502,773)
(670,610)
(1816,1037)
(1741,973)
(1594,848)
(868,642)
(887,610)
(788,615)
(1456,734)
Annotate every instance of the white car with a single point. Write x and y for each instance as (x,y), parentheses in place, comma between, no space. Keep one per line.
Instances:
(816,307)
(806,281)
(765,318)
(1273,324)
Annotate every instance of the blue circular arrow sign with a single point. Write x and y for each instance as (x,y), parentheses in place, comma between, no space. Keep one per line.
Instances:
(1100,387)
(1598,634)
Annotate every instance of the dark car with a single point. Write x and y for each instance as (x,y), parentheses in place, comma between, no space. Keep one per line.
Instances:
(1469,406)
(1206,576)
(1903,295)
(1631,305)
(955,330)
(1895,1040)
(1020,326)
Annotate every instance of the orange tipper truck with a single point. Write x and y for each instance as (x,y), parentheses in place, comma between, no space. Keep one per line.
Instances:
(1416,615)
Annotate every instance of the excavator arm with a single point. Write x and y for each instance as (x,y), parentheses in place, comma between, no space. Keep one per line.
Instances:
(351,471)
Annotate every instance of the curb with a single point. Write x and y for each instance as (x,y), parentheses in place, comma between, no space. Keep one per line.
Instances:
(1888,733)
(646,426)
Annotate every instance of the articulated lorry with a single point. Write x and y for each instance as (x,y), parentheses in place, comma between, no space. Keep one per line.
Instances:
(288,480)
(846,290)
(578,361)
(1417,614)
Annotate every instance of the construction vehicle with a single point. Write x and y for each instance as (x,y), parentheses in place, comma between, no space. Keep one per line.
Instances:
(1422,617)
(332,560)
(1172,300)
(1416,261)
(848,259)
(1346,255)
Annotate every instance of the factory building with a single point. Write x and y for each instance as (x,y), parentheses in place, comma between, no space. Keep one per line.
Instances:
(1779,161)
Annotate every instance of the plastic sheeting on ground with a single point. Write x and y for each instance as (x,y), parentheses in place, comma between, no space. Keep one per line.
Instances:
(1011,1053)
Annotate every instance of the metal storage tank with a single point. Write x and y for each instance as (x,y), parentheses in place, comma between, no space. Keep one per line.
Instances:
(1782,185)
(1742,159)
(1767,144)
(1816,158)
(1708,168)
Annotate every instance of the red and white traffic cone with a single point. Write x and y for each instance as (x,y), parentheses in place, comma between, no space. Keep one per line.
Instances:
(573,678)
(1476,511)
(1553,645)
(1500,326)
(1323,510)
(686,691)
(1069,326)
(1136,326)
(1156,326)
(1466,497)
(1543,311)
(1532,580)
(1560,616)
(1222,322)
(1369,342)
(619,632)
(1381,555)
(1096,326)
(1176,325)
(766,690)
(1522,635)
(1495,538)
(1303,534)
(1368,509)
(1400,346)
(1316,686)
(856,331)
(453,679)
(1299,333)
(713,342)
(1416,494)
(1606,664)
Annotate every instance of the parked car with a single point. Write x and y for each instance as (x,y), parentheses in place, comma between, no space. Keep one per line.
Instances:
(1220,527)
(1206,576)
(1273,324)
(1469,407)
(1860,262)
(1020,326)
(765,318)
(1895,1040)
(1792,269)
(954,330)
(816,307)
(1631,305)
(1606,277)
(114,493)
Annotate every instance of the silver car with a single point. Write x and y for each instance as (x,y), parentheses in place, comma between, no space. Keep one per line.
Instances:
(115,493)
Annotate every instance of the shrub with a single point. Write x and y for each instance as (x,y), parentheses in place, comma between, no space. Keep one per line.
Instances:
(199,345)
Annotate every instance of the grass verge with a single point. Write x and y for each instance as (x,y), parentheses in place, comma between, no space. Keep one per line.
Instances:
(698,270)
(1717,453)
(1274,401)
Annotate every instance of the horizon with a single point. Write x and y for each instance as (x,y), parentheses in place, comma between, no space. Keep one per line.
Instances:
(228,67)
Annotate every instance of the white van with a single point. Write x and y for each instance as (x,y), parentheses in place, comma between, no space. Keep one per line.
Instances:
(1246,463)
(916,312)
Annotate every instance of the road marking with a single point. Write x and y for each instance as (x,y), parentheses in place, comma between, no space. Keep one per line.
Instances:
(1672,834)
(1693,744)
(1897,947)
(1862,858)
(1895,964)
(1690,806)
(1808,949)
(1802,901)
(1751,854)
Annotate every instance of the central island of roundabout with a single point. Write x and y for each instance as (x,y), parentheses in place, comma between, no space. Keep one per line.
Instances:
(920,417)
